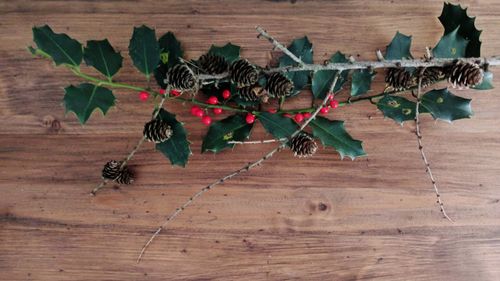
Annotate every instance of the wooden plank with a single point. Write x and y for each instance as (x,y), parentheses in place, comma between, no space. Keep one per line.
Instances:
(314,219)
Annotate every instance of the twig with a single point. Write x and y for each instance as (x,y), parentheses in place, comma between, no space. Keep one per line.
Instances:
(421,148)
(130,155)
(276,44)
(256,142)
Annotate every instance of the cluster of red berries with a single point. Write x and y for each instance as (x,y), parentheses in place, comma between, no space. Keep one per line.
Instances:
(333,104)
(212,100)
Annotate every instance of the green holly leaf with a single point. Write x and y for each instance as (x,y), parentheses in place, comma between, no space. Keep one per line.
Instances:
(232,128)
(59,46)
(302,48)
(487,83)
(361,81)
(452,17)
(176,148)
(170,52)
(332,133)
(397,108)
(323,79)
(85,98)
(446,106)
(102,56)
(144,49)
(229,51)
(451,45)
(399,48)
(277,125)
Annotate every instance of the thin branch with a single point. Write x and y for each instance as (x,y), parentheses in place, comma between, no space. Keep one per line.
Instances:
(421,148)
(256,142)
(276,44)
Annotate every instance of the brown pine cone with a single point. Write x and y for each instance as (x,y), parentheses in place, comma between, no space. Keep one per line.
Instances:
(278,85)
(399,78)
(243,73)
(431,75)
(213,64)
(251,93)
(181,77)
(111,171)
(464,74)
(157,131)
(303,145)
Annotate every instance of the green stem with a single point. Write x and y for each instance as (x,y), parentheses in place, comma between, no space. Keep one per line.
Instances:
(100,82)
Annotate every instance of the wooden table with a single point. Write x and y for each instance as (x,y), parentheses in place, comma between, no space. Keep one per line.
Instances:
(380,221)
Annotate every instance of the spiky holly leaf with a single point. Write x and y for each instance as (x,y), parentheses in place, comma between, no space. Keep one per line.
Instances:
(487,83)
(446,106)
(302,48)
(399,48)
(229,51)
(277,125)
(59,46)
(451,45)
(332,133)
(397,108)
(85,98)
(323,79)
(452,17)
(144,49)
(361,81)
(101,55)
(232,128)
(170,52)
(176,148)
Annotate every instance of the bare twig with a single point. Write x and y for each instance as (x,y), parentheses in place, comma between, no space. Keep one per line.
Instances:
(256,142)
(276,44)
(421,148)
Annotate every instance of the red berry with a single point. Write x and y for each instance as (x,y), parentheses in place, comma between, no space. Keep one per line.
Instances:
(334,104)
(195,109)
(272,110)
(200,113)
(162,91)
(226,94)
(143,96)
(212,100)
(324,110)
(299,117)
(287,115)
(330,96)
(175,93)
(250,118)
(217,111)
(206,120)
(307,115)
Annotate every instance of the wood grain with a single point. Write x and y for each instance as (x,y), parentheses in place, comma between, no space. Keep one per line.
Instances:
(380,221)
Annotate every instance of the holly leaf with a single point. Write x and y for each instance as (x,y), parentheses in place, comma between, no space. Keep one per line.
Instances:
(277,125)
(229,51)
(451,45)
(397,108)
(399,48)
(170,52)
(144,50)
(176,148)
(361,81)
(59,46)
(446,106)
(302,48)
(453,17)
(102,56)
(323,79)
(487,83)
(85,98)
(332,133)
(232,128)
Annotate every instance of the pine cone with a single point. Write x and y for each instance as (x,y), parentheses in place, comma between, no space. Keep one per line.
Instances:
(303,145)
(181,77)
(111,171)
(464,74)
(243,73)
(431,75)
(278,85)
(157,131)
(213,64)
(398,78)
(250,93)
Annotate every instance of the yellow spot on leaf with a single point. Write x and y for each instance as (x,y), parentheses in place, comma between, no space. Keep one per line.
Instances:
(406,111)
(164,57)
(393,103)
(228,136)
(439,100)
(453,51)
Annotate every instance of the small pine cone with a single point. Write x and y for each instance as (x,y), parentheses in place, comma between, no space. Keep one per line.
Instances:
(157,131)
(250,93)
(303,145)
(181,77)
(431,75)
(213,64)
(111,171)
(398,78)
(464,74)
(243,73)
(278,85)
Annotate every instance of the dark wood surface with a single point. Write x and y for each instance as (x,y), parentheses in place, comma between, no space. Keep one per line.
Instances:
(380,222)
